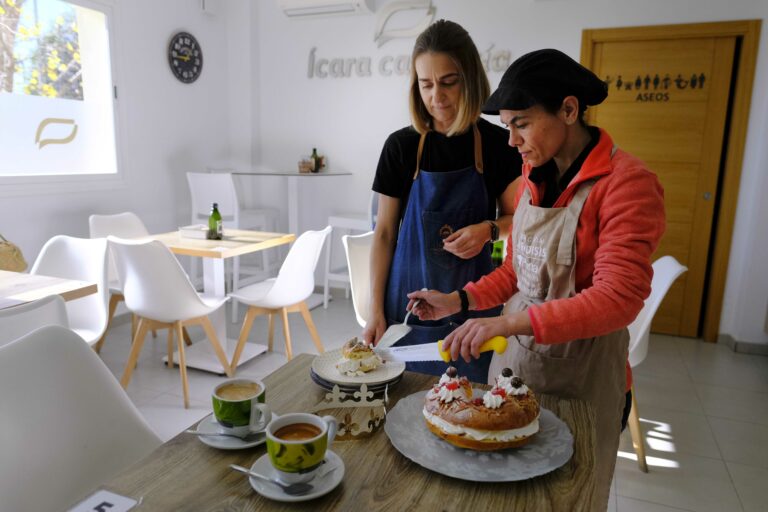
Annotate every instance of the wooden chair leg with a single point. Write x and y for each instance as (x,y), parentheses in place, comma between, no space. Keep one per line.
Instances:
(208,327)
(187,339)
(286,333)
(170,347)
(133,357)
(250,314)
(182,362)
(311,326)
(271,331)
(637,434)
(114,300)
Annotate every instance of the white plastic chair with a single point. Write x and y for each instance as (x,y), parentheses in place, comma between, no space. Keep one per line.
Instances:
(85,260)
(67,425)
(20,320)
(208,188)
(159,293)
(123,225)
(358,250)
(285,293)
(347,222)
(665,270)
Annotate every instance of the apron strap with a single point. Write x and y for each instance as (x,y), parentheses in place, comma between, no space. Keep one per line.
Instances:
(565,247)
(478,149)
(418,154)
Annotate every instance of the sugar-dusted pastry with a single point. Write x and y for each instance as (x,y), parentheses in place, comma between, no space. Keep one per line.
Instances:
(507,416)
(358,358)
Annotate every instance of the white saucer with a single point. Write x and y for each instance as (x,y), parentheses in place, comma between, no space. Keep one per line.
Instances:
(323,485)
(209,425)
(324,366)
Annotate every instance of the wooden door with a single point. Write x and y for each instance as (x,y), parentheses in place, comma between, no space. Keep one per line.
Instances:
(668,104)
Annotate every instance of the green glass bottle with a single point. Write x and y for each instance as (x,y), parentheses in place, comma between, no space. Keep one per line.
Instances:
(215,227)
(315,160)
(497,254)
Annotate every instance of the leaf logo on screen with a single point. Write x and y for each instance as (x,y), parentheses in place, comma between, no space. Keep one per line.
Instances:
(381,35)
(53,122)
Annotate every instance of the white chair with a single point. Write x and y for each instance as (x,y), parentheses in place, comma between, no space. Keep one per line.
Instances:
(123,225)
(219,187)
(348,222)
(67,425)
(159,293)
(285,293)
(20,320)
(85,260)
(665,270)
(358,250)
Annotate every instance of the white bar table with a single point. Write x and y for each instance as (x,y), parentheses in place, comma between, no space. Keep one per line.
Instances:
(292,179)
(237,242)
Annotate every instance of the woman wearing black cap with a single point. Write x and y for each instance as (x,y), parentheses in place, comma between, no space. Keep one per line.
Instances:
(578,268)
(440,181)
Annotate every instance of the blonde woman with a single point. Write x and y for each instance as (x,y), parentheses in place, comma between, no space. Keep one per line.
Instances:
(440,182)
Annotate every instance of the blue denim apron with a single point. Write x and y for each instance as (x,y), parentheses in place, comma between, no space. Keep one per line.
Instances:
(439,204)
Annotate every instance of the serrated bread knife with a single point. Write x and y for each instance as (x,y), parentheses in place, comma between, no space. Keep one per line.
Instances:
(434,351)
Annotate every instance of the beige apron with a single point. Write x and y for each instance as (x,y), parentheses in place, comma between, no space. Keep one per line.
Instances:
(589,369)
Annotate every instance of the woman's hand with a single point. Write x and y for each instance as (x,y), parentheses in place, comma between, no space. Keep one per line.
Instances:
(433,305)
(468,241)
(468,337)
(374,329)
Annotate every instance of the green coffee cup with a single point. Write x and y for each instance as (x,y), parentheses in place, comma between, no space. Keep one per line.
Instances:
(238,406)
(297,444)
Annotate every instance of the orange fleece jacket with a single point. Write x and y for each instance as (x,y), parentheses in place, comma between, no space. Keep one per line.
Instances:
(619,229)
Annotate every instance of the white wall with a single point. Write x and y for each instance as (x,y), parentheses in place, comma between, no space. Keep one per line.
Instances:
(349,118)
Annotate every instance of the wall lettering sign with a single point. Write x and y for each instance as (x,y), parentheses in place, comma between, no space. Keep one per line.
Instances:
(496,60)
(656,87)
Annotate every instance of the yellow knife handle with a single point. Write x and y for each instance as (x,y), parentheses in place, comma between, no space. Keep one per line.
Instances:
(498,344)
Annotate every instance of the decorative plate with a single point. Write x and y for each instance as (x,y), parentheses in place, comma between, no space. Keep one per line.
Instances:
(324,367)
(550,448)
(351,388)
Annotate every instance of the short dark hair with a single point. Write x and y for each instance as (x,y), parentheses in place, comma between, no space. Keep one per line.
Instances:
(451,39)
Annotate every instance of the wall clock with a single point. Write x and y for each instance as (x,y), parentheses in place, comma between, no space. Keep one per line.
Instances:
(185,57)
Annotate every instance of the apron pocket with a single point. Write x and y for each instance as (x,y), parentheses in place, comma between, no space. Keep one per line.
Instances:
(547,369)
(439,225)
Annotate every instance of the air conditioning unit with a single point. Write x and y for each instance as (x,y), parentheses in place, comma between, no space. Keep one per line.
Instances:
(297,8)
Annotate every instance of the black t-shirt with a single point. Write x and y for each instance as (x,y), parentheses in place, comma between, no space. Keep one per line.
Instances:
(394,174)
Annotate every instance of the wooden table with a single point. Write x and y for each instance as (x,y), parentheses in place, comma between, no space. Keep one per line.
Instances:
(185,474)
(18,288)
(237,242)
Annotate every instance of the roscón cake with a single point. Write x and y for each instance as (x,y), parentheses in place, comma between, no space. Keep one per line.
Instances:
(357,358)
(507,416)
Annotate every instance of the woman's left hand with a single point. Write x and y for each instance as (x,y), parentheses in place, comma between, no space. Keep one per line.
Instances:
(468,241)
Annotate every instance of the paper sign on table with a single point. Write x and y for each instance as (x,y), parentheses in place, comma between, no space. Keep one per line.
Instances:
(105,501)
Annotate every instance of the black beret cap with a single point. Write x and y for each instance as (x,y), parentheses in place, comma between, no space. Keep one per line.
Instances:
(545,75)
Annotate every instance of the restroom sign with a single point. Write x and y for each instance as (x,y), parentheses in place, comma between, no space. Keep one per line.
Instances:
(655,87)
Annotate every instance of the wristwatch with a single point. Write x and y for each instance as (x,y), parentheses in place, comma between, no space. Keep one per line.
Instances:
(494,230)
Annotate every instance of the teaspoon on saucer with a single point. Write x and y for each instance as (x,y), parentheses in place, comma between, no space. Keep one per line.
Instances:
(296,489)
(253,436)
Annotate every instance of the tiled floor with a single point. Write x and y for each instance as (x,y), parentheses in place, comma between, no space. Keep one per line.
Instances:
(703,409)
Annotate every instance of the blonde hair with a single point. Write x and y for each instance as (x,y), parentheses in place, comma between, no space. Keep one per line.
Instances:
(452,40)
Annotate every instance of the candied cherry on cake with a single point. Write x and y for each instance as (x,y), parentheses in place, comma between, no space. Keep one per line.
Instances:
(477,401)
(452,386)
(452,372)
(516,382)
(500,392)
(506,372)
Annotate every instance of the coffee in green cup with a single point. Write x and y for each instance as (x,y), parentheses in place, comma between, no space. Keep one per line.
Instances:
(238,406)
(297,444)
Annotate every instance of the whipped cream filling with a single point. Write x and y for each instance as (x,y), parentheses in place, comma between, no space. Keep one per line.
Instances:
(351,367)
(483,435)
(492,401)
